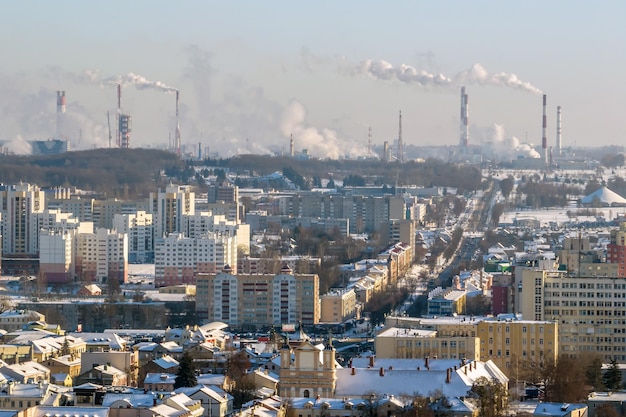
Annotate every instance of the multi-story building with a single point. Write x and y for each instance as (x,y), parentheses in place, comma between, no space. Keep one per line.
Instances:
(338,305)
(178,259)
(81,208)
(507,341)
(56,260)
(298,264)
(199,223)
(168,207)
(400,231)
(102,256)
(591,310)
(410,343)
(446,302)
(19,204)
(105,210)
(616,250)
(140,231)
(12,320)
(258,300)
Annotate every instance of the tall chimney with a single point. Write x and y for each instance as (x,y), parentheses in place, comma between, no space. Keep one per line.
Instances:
(60,114)
(199,151)
(544,137)
(558,130)
(292,148)
(464,142)
(118,136)
(177,125)
(400,155)
(448,372)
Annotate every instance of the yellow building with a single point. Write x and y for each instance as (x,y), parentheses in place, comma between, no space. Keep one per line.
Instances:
(307,371)
(338,306)
(591,310)
(506,342)
(405,343)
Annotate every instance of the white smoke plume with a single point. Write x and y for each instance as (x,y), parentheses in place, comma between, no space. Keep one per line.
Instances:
(383,70)
(476,74)
(18,146)
(497,146)
(140,82)
(321,143)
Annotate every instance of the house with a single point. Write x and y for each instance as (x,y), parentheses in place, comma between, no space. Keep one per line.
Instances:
(599,400)
(159,382)
(91,290)
(27,372)
(103,375)
(560,410)
(66,364)
(215,401)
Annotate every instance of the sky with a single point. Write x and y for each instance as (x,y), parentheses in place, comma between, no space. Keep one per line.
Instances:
(252,73)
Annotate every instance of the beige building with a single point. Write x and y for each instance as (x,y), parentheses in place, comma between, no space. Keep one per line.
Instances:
(505,341)
(591,311)
(102,256)
(405,343)
(12,320)
(307,371)
(19,205)
(338,305)
(168,207)
(140,230)
(258,300)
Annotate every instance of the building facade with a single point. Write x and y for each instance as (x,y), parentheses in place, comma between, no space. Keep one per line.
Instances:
(179,259)
(258,300)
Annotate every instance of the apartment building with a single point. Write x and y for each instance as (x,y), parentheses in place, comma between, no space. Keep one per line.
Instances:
(178,259)
(616,250)
(140,230)
(591,310)
(102,256)
(168,207)
(18,206)
(338,305)
(258,300)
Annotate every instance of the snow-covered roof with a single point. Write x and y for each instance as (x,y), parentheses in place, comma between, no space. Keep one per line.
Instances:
(604,196)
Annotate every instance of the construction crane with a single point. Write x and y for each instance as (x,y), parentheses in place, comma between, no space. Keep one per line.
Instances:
(109,123)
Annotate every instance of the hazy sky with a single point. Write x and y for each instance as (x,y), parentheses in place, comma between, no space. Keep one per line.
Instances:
(252,72)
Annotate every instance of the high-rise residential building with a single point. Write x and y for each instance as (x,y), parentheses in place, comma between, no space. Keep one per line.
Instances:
(591,310)
(253,301)
(105,210)
(102,256)
(56,260)
(140,231)
(200,223)
(178,259)
(616,250)
(19,204)
(168,208)
(80,207)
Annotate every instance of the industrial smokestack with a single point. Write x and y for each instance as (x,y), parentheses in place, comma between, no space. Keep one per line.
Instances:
(400,155)
(177,125)
(558,130)
(199,151)
(464,142)
(292,148)
(544,137)
(118,136)
(60,114)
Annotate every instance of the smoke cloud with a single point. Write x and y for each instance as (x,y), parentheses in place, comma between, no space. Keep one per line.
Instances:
(497,146)
(476,74)
(140,82)
(322,143)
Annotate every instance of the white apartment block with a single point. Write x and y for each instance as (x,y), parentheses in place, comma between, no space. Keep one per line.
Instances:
(140,230)
(168,208)
(178,258)
(203,222)
(18,205)
(56,260)
(102,256)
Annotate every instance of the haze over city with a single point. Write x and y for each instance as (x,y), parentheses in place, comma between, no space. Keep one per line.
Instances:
(250,74)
